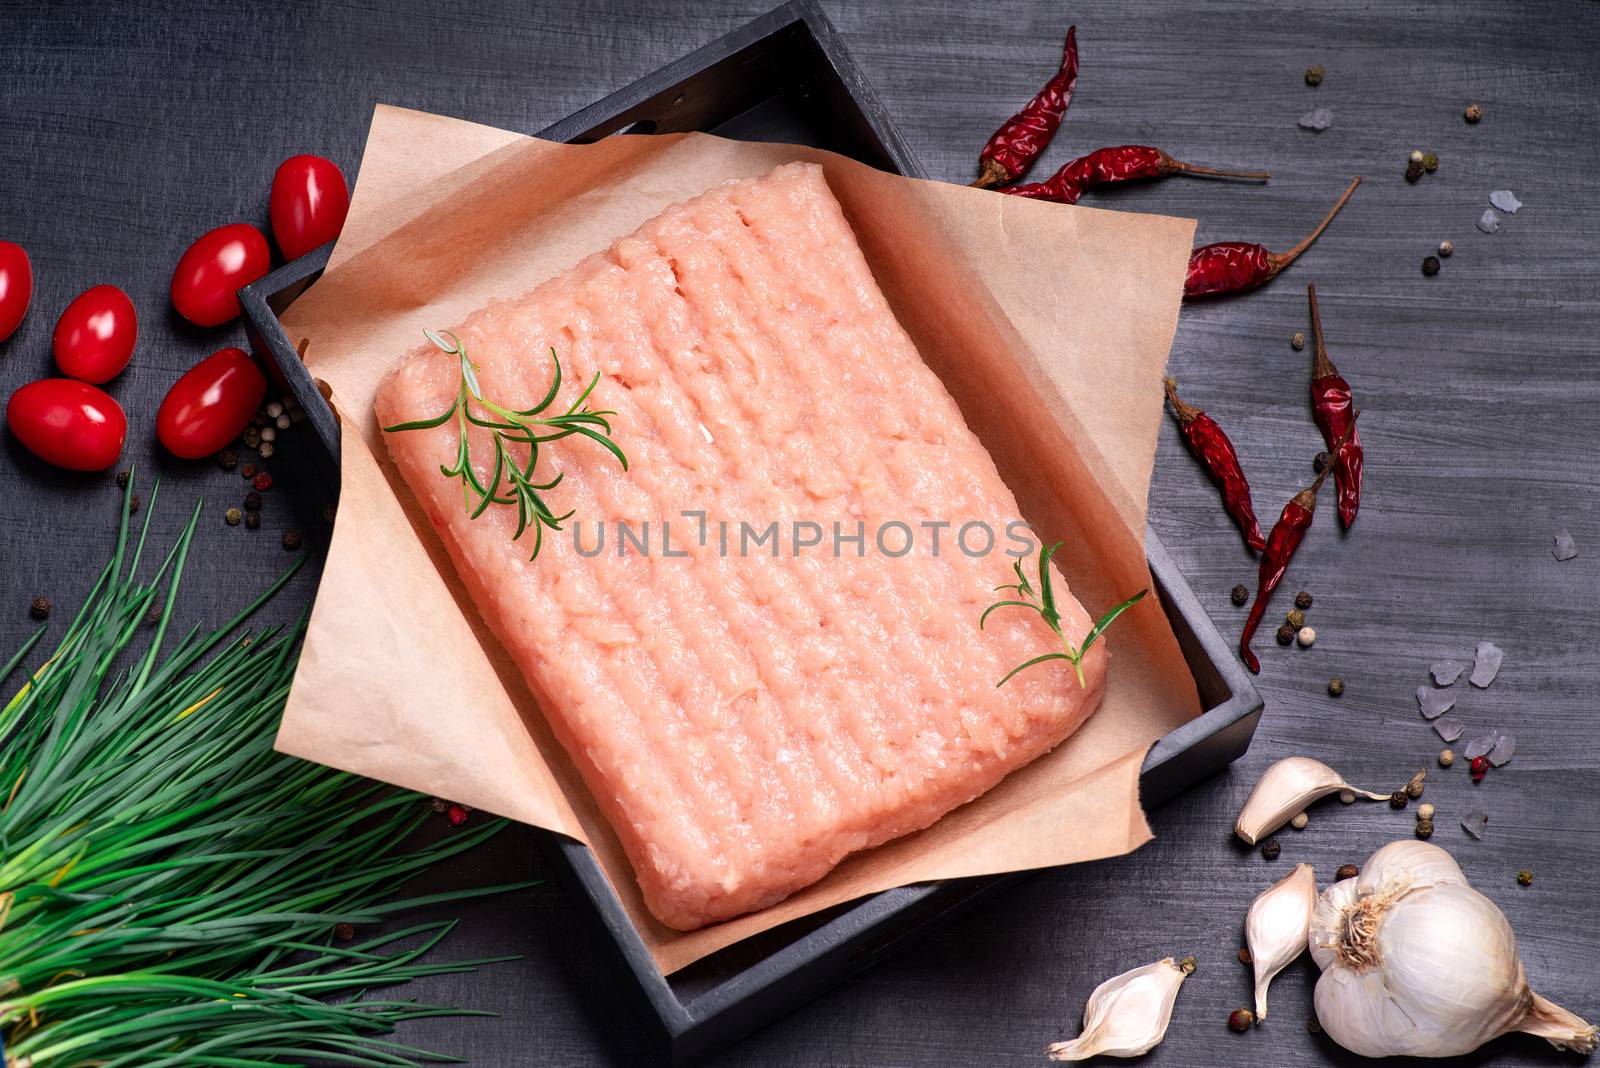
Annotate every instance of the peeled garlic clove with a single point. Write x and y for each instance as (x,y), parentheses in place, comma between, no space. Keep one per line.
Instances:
(1127,1015)
(1276,927)
(1286,788)
(1415,962)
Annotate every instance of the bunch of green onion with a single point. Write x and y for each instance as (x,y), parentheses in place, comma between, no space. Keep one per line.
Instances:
(170,887)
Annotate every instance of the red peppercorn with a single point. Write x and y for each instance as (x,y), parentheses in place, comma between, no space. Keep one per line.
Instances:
(1480,768)
(456,814)
(262,482)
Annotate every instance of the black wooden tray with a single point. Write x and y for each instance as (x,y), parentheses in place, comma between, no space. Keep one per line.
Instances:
(786,77)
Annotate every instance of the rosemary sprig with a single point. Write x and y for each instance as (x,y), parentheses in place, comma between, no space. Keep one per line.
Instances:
(169,884)
(1043,601)
(513,429)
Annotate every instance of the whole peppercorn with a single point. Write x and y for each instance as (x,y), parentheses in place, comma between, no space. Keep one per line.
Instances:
(1416,156)
(1446,247)
(1296,618)
(252,501)
(439,805)
(1300,820)
(1240,594)
(1399,799)
(262,482)
(1298,341)
(122,479)
(252,520)
(153,616)
(40,608)
(1447,757)
(1244,955)
(1302,600)
(291,539)
(1524,877)
(1347,797)
(265,450)
(1336,687)
(227,459)
(1241,1019)
(1187,965)
(1473,113)
(1425,811)
(1347,871)
(1479,768)
(247,472)
(1430,265)
(1430,162)
(252,438)
(1270,849)
(1306,637)
(1313,1025)
(133,504)
(456,814)
(1424,829)
(1320,461)
(1314,74)
(1413,171)
(344,932)
(232,516)
(1285,634)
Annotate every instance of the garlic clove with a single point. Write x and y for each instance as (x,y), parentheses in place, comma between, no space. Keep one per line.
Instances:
(1277,926)
(1128,1014)
(1286,788)
(1415,962)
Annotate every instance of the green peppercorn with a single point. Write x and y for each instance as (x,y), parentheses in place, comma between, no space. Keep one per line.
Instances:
(1473,113)
(1240,594)
(1270,849)
(1336,687)
(1320,462)
(1430,162)
(1298,341)
(40,608)
(232,516)
(1424,829)
(1524,877)
(1430,265)
(1399,799)
(1314,74)
(1413,171)
(1296,618)
(1241,1019)
(1285,635)
(1347,871)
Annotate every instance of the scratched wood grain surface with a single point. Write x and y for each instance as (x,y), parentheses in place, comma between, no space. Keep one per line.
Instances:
(127,130)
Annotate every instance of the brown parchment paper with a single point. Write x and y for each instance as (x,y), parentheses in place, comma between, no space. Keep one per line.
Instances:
(1050,326)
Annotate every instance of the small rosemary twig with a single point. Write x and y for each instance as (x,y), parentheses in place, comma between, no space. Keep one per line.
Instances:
(513,427)
(1043,601)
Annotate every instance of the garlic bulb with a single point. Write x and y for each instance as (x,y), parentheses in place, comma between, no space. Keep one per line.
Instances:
(1286,789)
(1276,926)
(1127,1015)
(1416,962)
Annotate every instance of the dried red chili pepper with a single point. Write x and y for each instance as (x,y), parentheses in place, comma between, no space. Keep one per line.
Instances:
(1287,534)
(1235,266)
(1106,166)
(1020,139)
(1217,455)
(1333,409)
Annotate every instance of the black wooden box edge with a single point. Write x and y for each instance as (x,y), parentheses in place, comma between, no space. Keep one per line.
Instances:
(851,937)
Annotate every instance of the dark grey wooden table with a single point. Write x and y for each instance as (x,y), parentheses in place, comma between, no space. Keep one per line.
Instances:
(125,131)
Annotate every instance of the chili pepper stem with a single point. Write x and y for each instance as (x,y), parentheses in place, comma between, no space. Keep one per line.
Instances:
(992,174)
(1280,260)
(1321,366)
(1186,413)
(1178,166)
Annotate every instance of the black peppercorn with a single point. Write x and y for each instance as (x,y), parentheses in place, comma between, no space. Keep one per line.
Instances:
(1240,594)
(252,501)
(1270,849)
(291,539)
(1336,687)
(133,504)
(153,616)
(40,609)
(1398,799)
(252,520)
(1320,462)
(1430,266)
(122,479)
(1302,600)
(1286,634)
(344,932)
(1413,171)
(227,459)
(1424,829)
(1347,871)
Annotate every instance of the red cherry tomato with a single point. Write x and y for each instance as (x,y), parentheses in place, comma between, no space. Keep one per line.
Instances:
(95,335)
(309,203)
(211,404)
(68,423)
(206,285)
(16,287)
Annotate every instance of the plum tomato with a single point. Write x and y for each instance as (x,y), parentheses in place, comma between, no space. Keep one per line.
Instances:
(68,423)
(95,336)
(206,283)
(309,203)
(16,287)
(211,404)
